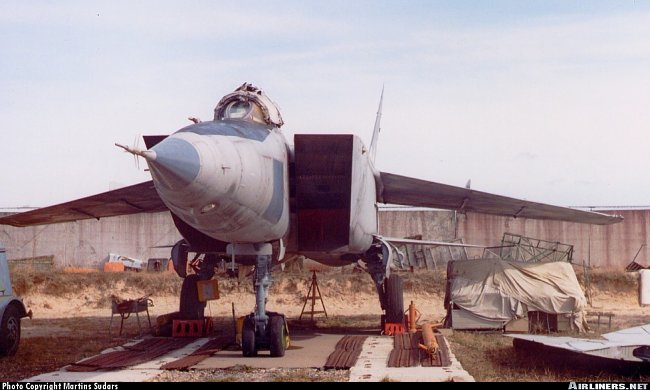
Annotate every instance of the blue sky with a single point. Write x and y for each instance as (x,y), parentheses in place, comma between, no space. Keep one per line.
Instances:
(539,100)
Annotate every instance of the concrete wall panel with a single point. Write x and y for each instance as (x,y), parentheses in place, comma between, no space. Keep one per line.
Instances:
(88,243)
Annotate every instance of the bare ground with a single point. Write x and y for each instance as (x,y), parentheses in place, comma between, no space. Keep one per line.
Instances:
(72,312)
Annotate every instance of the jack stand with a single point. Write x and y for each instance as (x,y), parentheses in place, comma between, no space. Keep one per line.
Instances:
(412,318)
(313,293)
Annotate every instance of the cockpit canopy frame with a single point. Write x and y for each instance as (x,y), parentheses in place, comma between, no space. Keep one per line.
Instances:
(260,108)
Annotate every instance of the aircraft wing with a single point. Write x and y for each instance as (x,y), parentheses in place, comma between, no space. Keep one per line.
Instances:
(133,199)
(395,240)
(415,192)
(625,345)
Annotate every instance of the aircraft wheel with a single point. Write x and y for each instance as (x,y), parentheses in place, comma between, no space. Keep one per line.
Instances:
(248,347)
(191,308)
(10,332)
(278,336)
(394,299)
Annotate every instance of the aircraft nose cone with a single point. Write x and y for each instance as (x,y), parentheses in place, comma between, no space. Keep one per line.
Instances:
(176,163)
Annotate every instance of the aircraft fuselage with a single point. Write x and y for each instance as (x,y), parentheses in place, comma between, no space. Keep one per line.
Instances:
(230,180)
(235,186)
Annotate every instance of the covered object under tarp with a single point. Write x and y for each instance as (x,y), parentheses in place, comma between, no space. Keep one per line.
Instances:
(499,291)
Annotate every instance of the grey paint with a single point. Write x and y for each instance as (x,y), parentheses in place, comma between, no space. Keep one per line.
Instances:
(5,281)
(363,199)
(180,161)
(617,345)
(235,128)
(232,190)
(6,292)
(276,206)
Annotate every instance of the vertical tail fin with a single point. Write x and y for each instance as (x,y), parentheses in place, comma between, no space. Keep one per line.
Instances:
(375,133)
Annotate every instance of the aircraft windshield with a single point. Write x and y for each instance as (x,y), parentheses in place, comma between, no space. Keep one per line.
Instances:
(237,110)
(245,110)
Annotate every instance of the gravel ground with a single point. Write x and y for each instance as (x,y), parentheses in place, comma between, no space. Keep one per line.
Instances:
(247,374)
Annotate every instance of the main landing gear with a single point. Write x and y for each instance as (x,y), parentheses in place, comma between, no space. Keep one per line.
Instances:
(389,286)
(190,306)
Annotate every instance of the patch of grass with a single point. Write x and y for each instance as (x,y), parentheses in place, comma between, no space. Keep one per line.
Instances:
(240,368)
(254,375)
(225,379)
(333,283)
(431,282)
(60,284)
(613,282)
(292,377)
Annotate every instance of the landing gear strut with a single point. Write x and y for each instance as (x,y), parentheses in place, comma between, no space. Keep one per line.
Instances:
(389,286)
(190,306)
(262,330)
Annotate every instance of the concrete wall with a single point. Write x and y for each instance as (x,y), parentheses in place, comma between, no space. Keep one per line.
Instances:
(611,246)
(431,224)
(87,243)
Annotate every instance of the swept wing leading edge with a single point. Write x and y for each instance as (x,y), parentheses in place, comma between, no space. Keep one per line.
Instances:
(433,243)
(396,189)
(138,198)
(415,192)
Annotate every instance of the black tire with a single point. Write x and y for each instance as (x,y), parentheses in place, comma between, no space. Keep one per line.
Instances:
(191,308)
(248,347)
(394,300)
(277,336)
(10,332)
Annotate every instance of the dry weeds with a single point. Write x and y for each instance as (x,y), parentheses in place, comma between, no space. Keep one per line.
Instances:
(603,281)
(247,374)
(58,283)
(51,343)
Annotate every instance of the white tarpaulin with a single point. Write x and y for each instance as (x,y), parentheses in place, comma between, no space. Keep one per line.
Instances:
(504,290)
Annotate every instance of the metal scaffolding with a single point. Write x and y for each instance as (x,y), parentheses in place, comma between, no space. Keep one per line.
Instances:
(515,247)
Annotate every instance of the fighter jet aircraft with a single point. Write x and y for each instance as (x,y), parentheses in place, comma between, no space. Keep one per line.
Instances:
(236,189)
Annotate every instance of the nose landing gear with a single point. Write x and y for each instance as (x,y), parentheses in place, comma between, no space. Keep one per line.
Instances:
(262,330)
(275,337)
